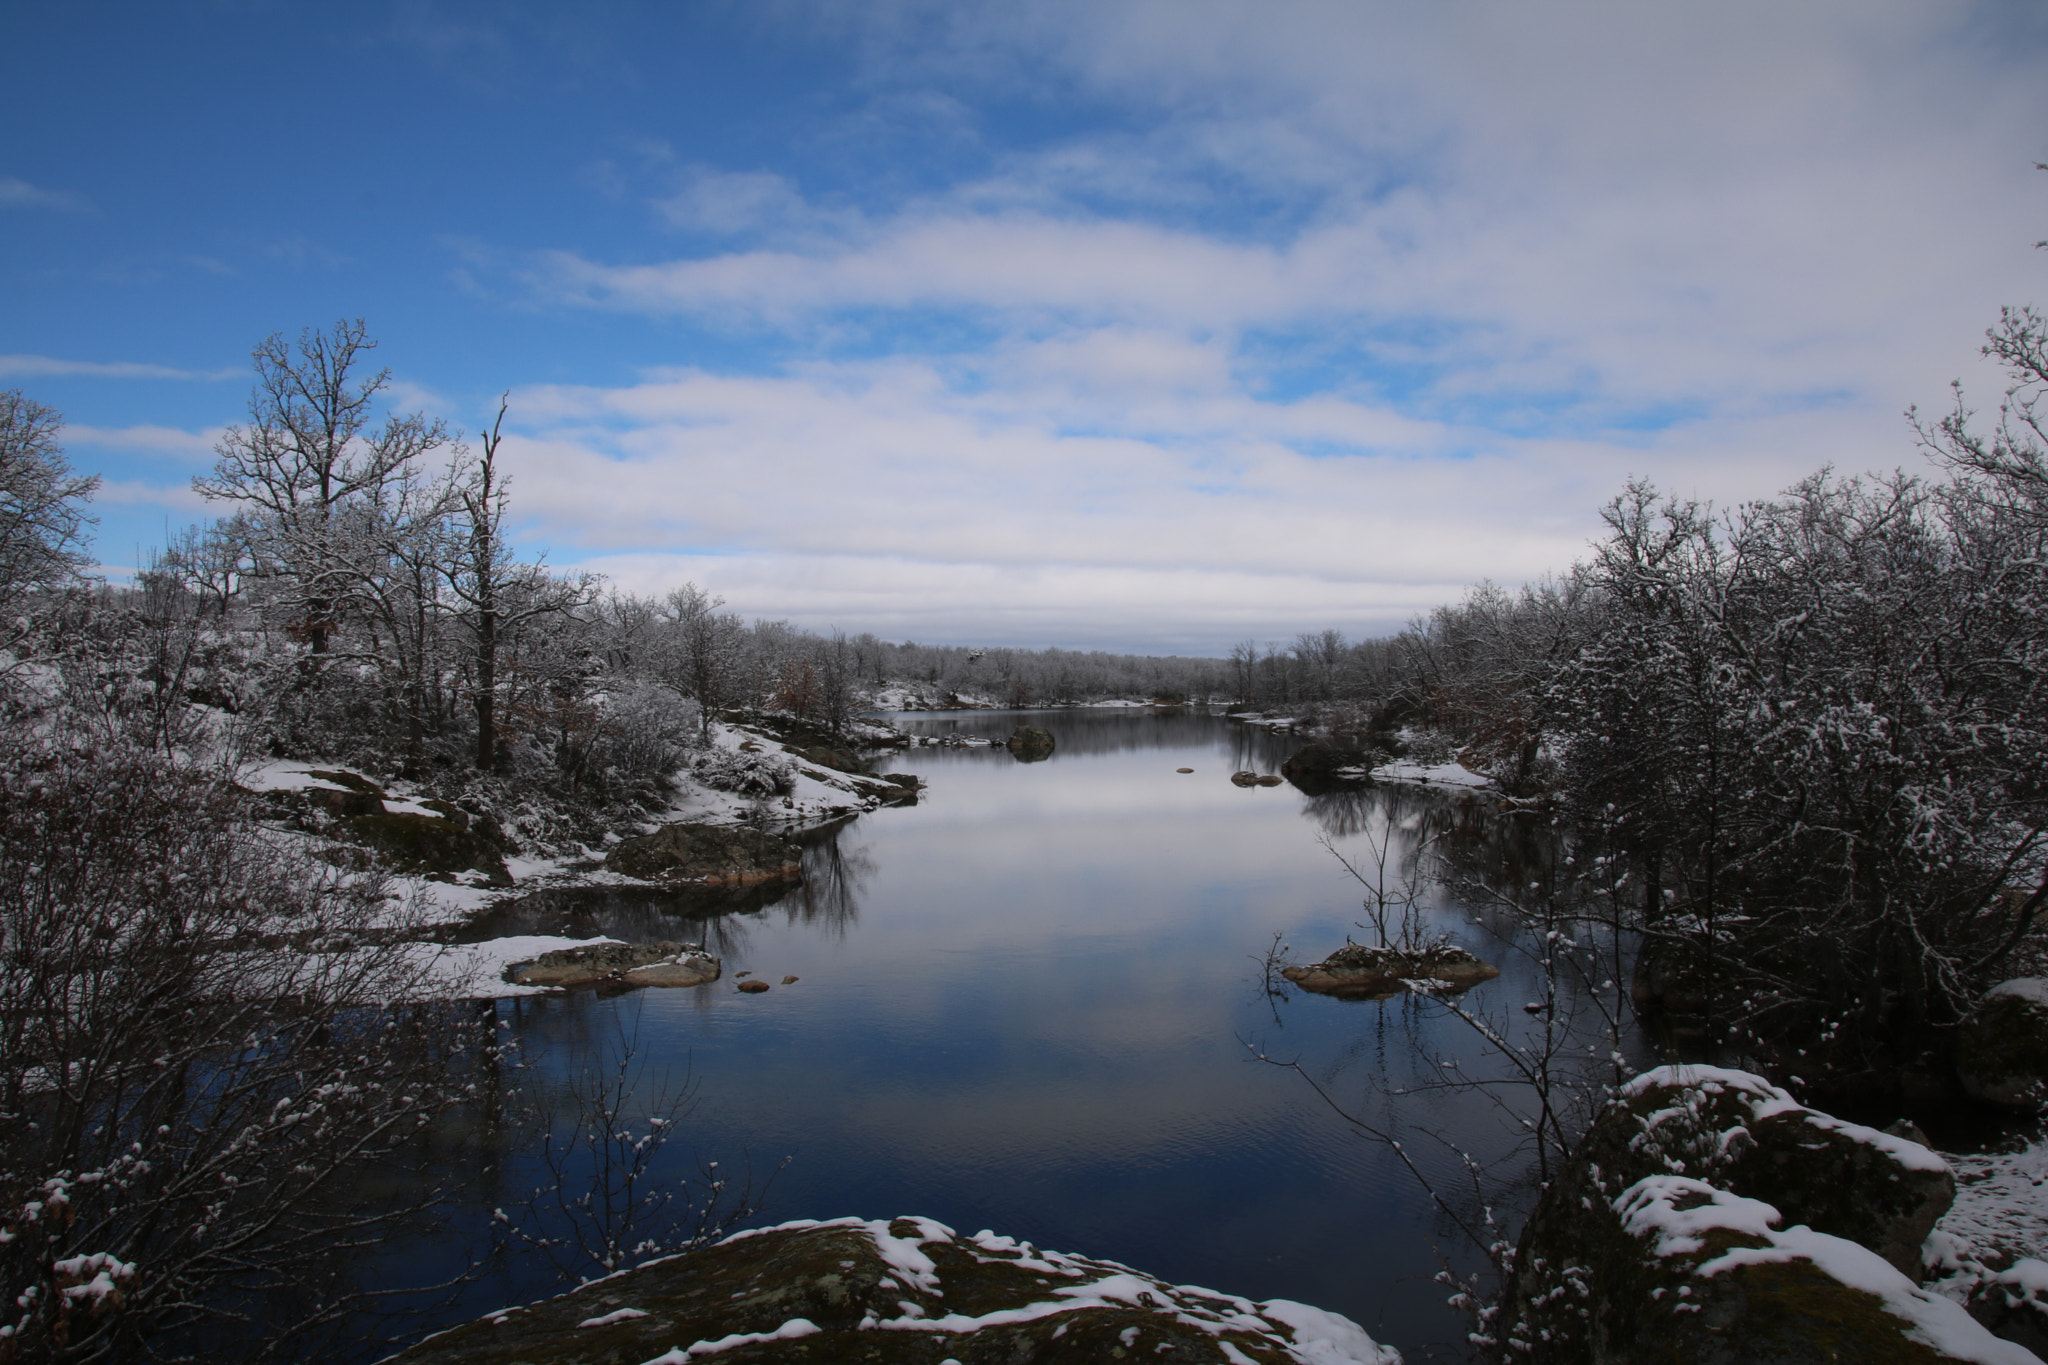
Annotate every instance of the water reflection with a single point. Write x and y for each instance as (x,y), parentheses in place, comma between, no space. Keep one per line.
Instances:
(722,918)
(1024,1004)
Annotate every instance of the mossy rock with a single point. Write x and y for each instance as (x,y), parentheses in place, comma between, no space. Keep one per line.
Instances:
(412,842)
(2002,1048)
(903,1292)
(710,855)
(1030,743)
(1358,972)
(1827,1218)
(623,964)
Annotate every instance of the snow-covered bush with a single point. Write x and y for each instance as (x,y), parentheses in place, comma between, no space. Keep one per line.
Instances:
(195,1118)
(744,772)
(645,731)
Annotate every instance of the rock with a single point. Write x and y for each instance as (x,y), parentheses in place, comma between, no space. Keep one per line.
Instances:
(2002,1048)
(1244,779)
(1709,1217)
(2013,1304)
(789,981)
(1357,972)
(711,855)
(1269,780)
(635,964)
(906,785)
(1322,767)
(1030,744)
(893,1293)
(1183,770)
(837,759)
(427,843)
(754,987)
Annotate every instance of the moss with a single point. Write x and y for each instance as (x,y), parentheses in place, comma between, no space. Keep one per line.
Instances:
(835,1278)
(729,855)
(427,843)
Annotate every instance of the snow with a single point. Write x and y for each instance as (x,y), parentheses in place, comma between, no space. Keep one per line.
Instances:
(1324,1338)
(621,1315)
(2001,1207)
(1433,774)
(789,1331)
(1768,1101)
(1649,1208)
(1319,1337)
(2032,989)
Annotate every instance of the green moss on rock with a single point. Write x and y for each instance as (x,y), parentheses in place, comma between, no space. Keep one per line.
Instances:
(411,842)
(904,1292)
(1708,1218)
(712,855)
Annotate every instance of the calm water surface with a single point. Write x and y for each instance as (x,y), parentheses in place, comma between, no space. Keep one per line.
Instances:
(1024,1004)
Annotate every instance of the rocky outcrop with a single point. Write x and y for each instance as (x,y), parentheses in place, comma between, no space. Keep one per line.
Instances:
(1357,972)
(430,844)
(1710,1219)
(893,1293)
(906,785)
(2002,1048)
(1322,767)
(624,964)
(710,855)
(1029,743)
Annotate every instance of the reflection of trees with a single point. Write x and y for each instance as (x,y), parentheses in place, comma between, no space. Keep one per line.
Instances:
(833,877)
(719,917)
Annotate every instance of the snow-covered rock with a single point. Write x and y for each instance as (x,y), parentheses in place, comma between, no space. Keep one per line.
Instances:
(2002,1048)
(893,1292)
(1711,1217)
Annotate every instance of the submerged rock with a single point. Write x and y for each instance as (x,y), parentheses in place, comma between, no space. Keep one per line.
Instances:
(1357,972)
(713,855)
(2002,1049)
(625,964)
(1030,743)
(893,1293)
(1244,778)
(1709,1217)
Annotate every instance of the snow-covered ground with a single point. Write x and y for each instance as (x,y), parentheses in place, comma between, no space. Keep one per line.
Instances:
(1435,774)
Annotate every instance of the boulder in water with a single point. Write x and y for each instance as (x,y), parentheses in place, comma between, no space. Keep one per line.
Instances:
(1030,743)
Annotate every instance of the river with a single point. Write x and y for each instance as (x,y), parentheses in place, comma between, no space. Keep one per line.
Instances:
(1031,1003)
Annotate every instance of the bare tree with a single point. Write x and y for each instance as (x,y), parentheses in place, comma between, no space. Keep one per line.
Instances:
(308,452)
(500,595)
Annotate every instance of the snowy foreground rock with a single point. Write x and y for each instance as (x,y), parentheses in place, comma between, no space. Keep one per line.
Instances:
(1711,1219)
(907,1290)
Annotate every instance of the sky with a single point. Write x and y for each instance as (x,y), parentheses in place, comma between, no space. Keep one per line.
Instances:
(1149,325)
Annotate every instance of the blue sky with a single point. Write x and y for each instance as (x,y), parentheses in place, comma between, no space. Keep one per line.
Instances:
(1119,323)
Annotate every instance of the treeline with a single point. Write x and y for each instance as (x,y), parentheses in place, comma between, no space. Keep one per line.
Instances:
(359,600)
(1801,743)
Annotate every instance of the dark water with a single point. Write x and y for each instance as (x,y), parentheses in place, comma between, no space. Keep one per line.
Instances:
(1025,1004)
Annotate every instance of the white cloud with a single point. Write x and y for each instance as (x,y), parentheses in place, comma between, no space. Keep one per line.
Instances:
(20,194)
(177,498)
(1351,303)
(1110,488)
(163,440)
(40,365)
